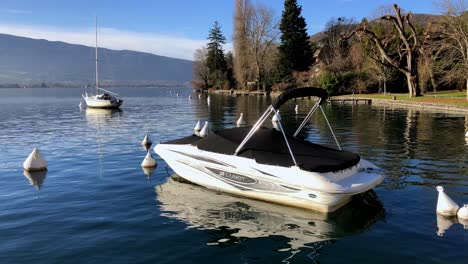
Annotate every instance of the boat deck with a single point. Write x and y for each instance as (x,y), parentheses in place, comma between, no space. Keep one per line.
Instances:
(267,146)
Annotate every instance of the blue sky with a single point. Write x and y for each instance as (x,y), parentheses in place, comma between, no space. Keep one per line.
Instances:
(172,28)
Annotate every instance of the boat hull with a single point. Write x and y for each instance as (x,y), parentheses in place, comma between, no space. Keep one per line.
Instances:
(324,192)
(100,103)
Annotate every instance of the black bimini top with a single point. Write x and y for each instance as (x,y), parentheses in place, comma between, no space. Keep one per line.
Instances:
(267,146)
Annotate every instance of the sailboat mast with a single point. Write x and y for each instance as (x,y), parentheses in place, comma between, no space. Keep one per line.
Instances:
(96,48)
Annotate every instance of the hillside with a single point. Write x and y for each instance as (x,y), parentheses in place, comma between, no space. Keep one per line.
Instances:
(26,61)
(418,20)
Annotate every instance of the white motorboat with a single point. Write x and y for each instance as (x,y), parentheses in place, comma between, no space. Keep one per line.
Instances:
(107,99)
(266,164)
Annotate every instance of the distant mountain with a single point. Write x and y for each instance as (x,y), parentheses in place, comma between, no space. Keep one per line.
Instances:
(26,61)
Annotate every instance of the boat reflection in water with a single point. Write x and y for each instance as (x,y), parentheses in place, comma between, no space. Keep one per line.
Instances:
(205,209)
(148,171)
(35,178)
(99,118)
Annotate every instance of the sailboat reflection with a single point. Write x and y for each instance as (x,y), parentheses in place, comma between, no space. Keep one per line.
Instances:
(207,210)
(101,119)
(98,118)
(35,178)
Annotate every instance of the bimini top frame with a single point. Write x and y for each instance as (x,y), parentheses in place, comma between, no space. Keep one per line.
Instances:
(283,98)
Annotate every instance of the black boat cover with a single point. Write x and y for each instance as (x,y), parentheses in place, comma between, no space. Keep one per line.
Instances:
(267,146)
(298,93)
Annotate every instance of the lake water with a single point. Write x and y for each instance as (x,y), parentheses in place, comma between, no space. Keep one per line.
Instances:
(96,205)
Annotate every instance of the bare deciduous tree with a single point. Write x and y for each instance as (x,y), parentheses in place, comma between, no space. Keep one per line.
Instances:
(241,59)
(200,68)
(455,35)
(255,31)
(334,47)
(261,33)
(405,58)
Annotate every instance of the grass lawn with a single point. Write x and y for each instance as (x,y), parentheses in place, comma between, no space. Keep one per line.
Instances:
(446,97)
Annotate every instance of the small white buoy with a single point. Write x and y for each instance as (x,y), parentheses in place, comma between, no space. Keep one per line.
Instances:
(197,127)
(170,92)
(149,162)
(464,223)
(296,109)
(445,205)
(241,120)
(275,125)
(177,94)
(205,130)
(35,161)
(276,117)
(463,212)
(444,224)
(199,96)
(466,135)
(208,99)
(146,141)
(190,97)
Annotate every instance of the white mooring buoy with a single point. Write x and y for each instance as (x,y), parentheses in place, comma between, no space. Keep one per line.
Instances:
(149,162)
(197,127)
(177,94)
(296,109)
(276,117)
(463,216)
(445,205)
(463,212)
(205,130)
(190,97)
(146,141)
(35,161)
(199,96)
(241,120)
(466,135)
(208,99)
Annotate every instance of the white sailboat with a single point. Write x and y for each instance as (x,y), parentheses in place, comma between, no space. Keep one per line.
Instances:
(108,99)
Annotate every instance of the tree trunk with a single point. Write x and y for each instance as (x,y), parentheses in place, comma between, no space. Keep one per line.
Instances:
(466,88)
(384,85)
(433,82)
(257,72)
(380,85)
(410,84)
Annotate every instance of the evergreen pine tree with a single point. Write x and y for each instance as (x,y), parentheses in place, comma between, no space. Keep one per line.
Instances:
(215,58)
(295,53)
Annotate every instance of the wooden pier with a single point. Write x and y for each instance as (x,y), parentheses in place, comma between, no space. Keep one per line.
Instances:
(350,100)
(240,92)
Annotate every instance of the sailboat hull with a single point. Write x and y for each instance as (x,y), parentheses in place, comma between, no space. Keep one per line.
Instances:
(100,103)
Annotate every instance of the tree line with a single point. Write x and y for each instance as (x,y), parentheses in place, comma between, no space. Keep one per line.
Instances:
(395,51)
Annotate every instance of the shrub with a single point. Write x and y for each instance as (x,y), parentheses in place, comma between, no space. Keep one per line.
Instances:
(329,82)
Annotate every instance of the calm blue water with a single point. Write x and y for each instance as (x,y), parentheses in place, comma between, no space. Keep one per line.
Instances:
(96,205)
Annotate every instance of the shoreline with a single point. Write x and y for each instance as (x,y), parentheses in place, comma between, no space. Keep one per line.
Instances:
(385,102)
(416,105)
